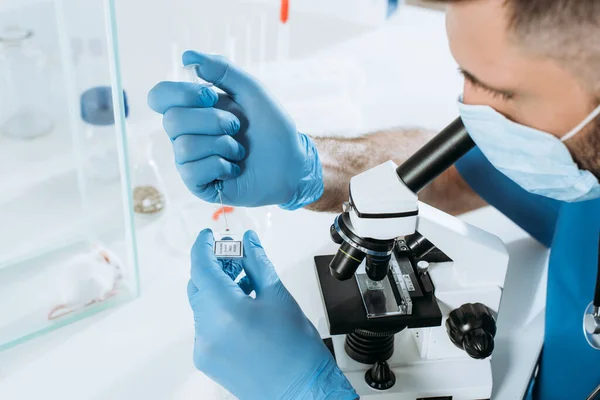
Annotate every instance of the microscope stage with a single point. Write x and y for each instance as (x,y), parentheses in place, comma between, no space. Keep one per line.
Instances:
(346,312)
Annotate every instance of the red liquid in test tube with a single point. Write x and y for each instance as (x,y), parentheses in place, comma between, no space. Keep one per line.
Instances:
(285,10)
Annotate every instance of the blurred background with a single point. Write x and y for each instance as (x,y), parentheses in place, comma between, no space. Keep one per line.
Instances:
(95,223)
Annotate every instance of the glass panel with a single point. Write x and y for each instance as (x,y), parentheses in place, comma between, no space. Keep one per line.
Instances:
(67,247)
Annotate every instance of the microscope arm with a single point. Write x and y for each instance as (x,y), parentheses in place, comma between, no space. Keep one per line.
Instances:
(480,258)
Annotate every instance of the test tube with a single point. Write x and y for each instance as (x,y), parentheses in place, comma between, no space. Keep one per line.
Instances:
(230,42)
(283,42)
(262,43)
(249,42)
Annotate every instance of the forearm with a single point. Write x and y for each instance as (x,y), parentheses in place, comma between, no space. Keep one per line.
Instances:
(344,158)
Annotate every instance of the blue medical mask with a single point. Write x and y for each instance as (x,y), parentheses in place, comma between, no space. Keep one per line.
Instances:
(537,161)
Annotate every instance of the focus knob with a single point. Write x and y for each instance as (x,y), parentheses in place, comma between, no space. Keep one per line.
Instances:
(472,328)
(478,344)
(380,376)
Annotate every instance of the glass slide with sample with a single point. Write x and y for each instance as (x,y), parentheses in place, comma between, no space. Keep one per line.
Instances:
(67,244)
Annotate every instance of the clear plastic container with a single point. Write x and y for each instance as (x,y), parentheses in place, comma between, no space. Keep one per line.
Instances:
(24,76)
(67,243)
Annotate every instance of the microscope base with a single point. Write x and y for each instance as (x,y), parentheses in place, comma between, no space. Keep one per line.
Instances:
(420,379)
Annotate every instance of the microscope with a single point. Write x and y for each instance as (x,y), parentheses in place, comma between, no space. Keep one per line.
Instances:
(412,294)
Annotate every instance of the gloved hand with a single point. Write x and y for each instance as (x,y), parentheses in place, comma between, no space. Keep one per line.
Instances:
(262,348)
(268,162)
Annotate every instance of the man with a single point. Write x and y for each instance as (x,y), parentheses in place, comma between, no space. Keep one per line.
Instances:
(530,102)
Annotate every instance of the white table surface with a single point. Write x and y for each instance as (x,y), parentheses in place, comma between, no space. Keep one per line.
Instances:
(143,350)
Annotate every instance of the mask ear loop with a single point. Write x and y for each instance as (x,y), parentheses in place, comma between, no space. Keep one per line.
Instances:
(582,125)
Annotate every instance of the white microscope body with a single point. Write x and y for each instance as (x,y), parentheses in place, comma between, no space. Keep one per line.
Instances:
(426,363)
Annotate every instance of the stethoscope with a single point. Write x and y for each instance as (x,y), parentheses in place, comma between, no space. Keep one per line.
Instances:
(591,321)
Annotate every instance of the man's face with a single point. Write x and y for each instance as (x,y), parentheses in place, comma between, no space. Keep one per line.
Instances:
(529,90)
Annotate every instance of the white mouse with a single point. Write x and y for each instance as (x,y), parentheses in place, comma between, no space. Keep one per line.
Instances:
(86,279)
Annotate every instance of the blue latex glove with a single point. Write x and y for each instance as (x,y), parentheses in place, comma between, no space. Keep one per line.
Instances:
(268,162)
(262,348)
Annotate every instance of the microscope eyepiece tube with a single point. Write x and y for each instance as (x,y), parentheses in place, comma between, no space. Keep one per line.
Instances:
(441,152)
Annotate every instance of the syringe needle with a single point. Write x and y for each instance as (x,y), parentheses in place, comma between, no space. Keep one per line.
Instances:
(223,208)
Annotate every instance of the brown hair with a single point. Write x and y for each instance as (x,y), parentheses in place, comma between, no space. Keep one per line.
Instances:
(565,30)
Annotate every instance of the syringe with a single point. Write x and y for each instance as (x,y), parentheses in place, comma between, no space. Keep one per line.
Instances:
(219,187)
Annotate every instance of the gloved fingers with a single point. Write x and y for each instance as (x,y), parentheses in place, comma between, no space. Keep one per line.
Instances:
(211,283)
(243,283)
(199,121)
(188,148)
(246,285)
(225,75)
(207,192)
(191,289)
(232,267)
(165,95)
(197,174)
(257,265)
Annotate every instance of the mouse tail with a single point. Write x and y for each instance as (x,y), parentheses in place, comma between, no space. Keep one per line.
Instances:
(59,311)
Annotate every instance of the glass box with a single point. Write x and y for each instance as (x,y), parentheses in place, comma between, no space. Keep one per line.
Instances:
(67,242)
